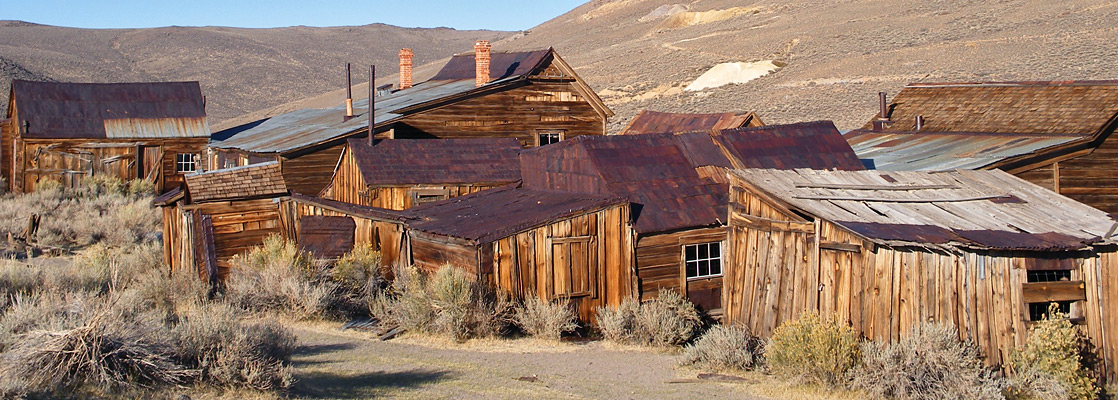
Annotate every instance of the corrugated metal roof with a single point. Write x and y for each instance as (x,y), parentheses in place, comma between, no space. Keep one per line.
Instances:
(975,209)
(663,122)
(437,161)
(936,151)
(59,110)
(665,174)
(501,212)
(1079,108)
(373,213)
(307,127)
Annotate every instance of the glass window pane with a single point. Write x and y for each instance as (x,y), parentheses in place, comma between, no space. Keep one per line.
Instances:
(690,250)
(704,268)
(702,251)
(715,249)
(716,266)
(691,270)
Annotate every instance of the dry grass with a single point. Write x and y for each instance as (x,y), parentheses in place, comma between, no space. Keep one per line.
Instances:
(666,321)
(545,319)
(813,350)
(723,348)
(929,364)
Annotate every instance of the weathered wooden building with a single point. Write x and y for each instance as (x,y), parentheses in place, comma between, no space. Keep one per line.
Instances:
(223,213)
(400,174)
(532,96)
(1059,135)
(887,251)
(66,132)
(678,189)
(662,122)
(554,245)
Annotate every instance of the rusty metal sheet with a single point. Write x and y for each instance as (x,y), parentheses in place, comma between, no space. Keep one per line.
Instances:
(663,122)
(437,161)
(815,145)
(502,64)
(945,151)
(58,110)
(497,213)
(326,236)
(373,213)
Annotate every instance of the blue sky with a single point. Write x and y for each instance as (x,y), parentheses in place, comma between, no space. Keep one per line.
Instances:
(510,15)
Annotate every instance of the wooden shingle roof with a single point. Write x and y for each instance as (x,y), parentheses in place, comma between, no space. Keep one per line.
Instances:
(251,181)
(1080,108)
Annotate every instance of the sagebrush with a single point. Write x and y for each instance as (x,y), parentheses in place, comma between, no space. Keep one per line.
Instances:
(278,277)
(449,303)
(1052,356)
(724,347)
(814,350)
(546,319)
(668,320)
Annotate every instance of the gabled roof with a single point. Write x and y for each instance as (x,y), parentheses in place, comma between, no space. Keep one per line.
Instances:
(1065,108)
(301,129)
(250,181)
(497,213)
(677,181)
(61,110)
(972,209)
(944,151)
(437,161)
(662,122)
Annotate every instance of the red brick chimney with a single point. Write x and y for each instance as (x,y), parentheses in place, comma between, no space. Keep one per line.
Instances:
(405,68)
(481,61)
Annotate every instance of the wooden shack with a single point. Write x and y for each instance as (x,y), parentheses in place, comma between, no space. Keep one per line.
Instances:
(223,213)
(677,186)
(66,132)
(554,245)
(887,251)
(532,96)
(664,122)
(1059,135)
(400,174)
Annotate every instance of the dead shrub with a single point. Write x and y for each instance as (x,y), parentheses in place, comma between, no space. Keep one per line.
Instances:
(813,350)
(279,277)
(546,319)
(1052,354)
(668,320)
(723,347)
(931,363)
(227,351)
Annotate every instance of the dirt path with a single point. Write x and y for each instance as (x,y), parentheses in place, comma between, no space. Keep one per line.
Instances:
(350,365)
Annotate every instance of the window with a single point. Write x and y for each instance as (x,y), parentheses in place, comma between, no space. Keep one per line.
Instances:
(544,138)
(703,260)
(186,162)
(1041,282)
(424,196)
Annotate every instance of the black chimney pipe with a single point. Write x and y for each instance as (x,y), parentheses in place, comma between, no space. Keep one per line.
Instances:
(372,89)
(884,106)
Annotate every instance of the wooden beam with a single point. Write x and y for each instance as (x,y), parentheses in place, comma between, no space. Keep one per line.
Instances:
(1043,292)
(839,246)
(908,200)
(872,187)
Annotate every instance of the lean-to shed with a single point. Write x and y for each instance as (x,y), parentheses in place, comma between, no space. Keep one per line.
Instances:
(1058,135)
(532,96)
(400,174)
(530,242)
(663,122)
(886,251)
(223,213)
(67,132)
(678,189)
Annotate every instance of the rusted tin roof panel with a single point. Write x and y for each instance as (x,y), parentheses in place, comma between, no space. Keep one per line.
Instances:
(663,122)
(251,181)
(815,145)
(437,161)
(936,151)
(987,209)
(501,212)
(1079,108)
(58,110)
(351,209)
(502,64)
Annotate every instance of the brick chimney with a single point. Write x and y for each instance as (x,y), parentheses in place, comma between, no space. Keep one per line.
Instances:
(405,68)
(481,61)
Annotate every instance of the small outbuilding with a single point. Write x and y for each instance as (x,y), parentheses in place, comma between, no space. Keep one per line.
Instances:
(886,251)
(400,174)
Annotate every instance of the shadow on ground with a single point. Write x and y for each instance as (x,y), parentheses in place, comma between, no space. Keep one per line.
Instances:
(361,386)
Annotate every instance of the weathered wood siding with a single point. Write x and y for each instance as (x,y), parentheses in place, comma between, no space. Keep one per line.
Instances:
(385,237)
(7,140)
(69,161)
(309,173)
(783,265)
(348,185)
(660,265)
(517,113)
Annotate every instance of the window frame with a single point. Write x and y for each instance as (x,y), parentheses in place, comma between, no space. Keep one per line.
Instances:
(1052,286)
(721,257)
(429,195)
(561,133)
(182,159)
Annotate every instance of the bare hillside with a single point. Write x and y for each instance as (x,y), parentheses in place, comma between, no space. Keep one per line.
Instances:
(241,70)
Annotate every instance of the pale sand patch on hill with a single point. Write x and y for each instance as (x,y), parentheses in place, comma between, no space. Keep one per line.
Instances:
(732,73)
(663,11)
(608,8)
(686,19)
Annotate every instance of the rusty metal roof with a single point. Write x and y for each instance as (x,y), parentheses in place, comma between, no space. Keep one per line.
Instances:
(944,151)
(974,209)
(379,214)
(667,176)
(437,161)
(250,181)
(502,64)
(662,122)
(497,213)
(1069,108)
(61,110)
(304,128)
